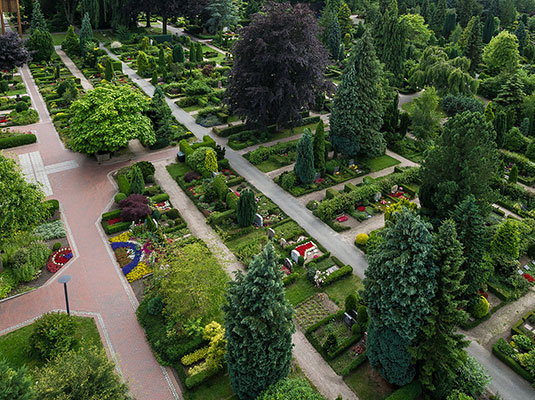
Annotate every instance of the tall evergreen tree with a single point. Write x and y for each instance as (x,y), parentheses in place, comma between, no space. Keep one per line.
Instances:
(440,352)
(520,33)
(108,73)
(223,14)
(246,208)
(488,29)
(463,163)
(137,183)
(473,47)
(355,120)
(397,307)
(391,116)
(466,9)
(439,17)
(344,19)
(391,41)
(507,12)
(334,38)
(178,53)
(38,19)
(258,327)
(86,33)
(450,22)
(473,236)
(41,44)
(304,163)
(319,148)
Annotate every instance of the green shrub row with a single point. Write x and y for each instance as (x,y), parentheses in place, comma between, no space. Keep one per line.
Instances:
(115,228)
(216,217)
(111,215)
(344,345)
(511,363)
(408,392)
(525,166)
(195,380)
(20,140)
(160,197)
(354,364)
(289,279)
(225,132)
(188,149)
(338,274)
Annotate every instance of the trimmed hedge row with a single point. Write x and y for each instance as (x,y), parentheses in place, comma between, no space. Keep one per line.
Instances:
(188,149)
(20,140)
(118,227)
(408,392)
(197,379)
(160,197)
(338,274)
(525,166)
(512,364)
(231,130)
(354,364)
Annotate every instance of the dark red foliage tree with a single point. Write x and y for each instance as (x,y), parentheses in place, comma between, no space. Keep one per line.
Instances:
(278,65)
(134,207)
(12,51)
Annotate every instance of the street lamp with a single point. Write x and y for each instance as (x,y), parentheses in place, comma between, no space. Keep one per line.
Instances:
(64,279)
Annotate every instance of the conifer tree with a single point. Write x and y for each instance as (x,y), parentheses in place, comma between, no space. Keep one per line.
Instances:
(500,126)
(137,184)
(198,53)
(41,44)
(258,327)
(108,73)
(71,44)
(334,38)
(520,33)
(473,47)
(210,161)
(356,116)
(38,19)
(162,64)
(391,41)
(473,236)
(319,148)
(440,351)
(450,22)
(15,384)
(344,19)
(304,163)
(397,307)
(142,63)
(391,116)
(439,17)
(489,113)
(246,208)
(178,53)
(192,51)
(86,33)
(513,175)
(488,29)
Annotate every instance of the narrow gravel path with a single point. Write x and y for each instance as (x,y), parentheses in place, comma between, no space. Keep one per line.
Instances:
(86,85)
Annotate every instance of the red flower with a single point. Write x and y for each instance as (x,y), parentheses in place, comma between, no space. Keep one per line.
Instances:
(361,208)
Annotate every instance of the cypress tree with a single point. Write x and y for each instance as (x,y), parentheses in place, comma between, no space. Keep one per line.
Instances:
(391,117)
(334,38)
(258,327)
(38,19)
(192,51)
(41,43)
(178,53)
(86,33)
(500,126)
(473,47)
(440,353)
(108,73)
(154,79)
(246,208)
(356,117)
(210,161)
(488,29)
(513,175)
(319,148)
(142,63)
(198,53)
(391,41)
(473,236)
(161,60)
(439,17)
(304,163)
(397,307)
(71,44)
(344,19)
(489,113)
(137,185)
(520,33)
(450,22)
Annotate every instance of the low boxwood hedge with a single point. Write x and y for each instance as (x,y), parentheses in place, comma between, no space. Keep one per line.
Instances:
(512,364)
(20,140)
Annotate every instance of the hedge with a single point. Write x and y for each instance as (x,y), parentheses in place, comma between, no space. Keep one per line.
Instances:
(197,379)
(525,166)
(216,217)
(407,392)
(289,279)
(338,274)
(225,132)
(325,321)
(111,214)
(344,345)
(20,140)
(354,364)
(512,364)
(188,148)
(160,197)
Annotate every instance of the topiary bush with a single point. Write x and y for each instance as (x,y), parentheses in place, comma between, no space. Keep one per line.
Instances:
(155,305)
(119,197)
(173,213)
(123,183)
(350,303)
(330,343)
(21,106)
(232,200)
(356,329)
(56,246)
(52,334)
(362,239)
(480,308)
(362,316)
(146,167)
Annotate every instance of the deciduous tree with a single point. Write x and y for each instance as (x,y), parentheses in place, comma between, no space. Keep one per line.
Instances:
(501,54)
(13,53)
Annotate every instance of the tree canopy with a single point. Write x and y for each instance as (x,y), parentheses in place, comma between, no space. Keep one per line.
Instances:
(13,53)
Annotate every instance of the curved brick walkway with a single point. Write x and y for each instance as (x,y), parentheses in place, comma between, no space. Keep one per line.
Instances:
(97,286)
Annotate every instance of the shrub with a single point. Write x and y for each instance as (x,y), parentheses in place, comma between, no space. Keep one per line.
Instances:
(246,209)
(288,180)
(220,187)
(455,104)
(515,141)
(330,343)
(362,239)
(137,184)
(196,160)
(356,329)
(21,106)
(51,230)
(362,316)
(173,213)
(480,308)
(153,190)
(26,261)
(407,392)
(123,183)
(300,260)
(523,342)
(19,140)
(191,175)
(155,305)
(530,151)
(160,197)
(119,197)
(134,207)
(350,303)
(232,200)
(52,334)
(56,246)
(146,167)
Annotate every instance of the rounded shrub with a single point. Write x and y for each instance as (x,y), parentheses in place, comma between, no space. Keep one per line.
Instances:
(330,343)
(190,176)
(155,305)
(173,213)
(288,180)
(300,261)
(56,246)
(356,329)
(480,308)
(53,334)
(362,239)
(21,106)
(118,197)
(362,315)
(350,303)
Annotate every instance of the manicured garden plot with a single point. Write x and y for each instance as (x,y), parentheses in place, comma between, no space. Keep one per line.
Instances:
(310,311)
(408,148)
(10,138)
(368,384)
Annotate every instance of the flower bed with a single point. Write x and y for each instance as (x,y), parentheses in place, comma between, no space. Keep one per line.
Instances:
(58,259)
(137,254)
(302,249)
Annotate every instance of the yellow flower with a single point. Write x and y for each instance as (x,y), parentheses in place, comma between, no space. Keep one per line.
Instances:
(123,237)
(138,272)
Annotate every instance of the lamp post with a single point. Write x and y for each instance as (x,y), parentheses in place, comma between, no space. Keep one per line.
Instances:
(64,279)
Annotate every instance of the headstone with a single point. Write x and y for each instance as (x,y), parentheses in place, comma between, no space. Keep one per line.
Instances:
(288,263)
(349,321)
(283,243)
(377,196)
(271,233)
(258,220)
(331,269)
(318,176)
(219,85)
(394,189)
(354,314)
(295,255)
(214,174)
(520,272)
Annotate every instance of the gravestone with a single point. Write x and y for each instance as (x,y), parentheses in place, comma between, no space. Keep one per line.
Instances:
(288,263)
(377,196)
(283,243)
(354,314)
(295,255)
(394,189)
(318,176)
(271,233)
(349,321)
(258,220)
(214,174)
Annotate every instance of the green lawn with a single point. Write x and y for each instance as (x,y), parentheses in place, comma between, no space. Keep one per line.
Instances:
(217,388)
(194,107)
(299,291)
(339,290)
(291,132)
(380,163)
(178,169)
(58,38)
(14,346)
(367,384)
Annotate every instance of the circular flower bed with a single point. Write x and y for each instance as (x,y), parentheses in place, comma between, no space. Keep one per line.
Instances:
(138,253)
(58,259)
